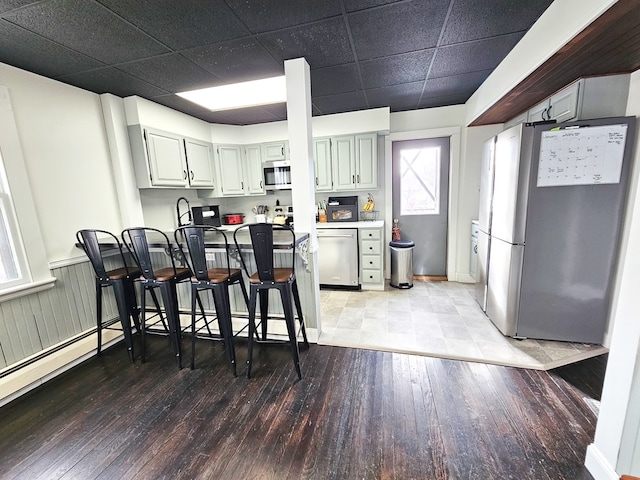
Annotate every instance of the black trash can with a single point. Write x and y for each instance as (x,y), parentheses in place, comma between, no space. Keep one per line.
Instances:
(401,263)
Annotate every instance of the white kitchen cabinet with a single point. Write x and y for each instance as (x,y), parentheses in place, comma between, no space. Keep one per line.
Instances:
(275,151)
(561,107)
(592,97)
(165,159)
(371,259)
(343,163)
(354,162)
(366,161)
(229,169)
(253,170)
(322,164)
(200,163)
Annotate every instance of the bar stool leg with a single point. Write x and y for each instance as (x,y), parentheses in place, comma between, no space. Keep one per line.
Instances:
(296,298)
(124,314)
(287,305)
(252,328)
(194,294)
(99,315)
(223,310)
(264,311)
(143,327)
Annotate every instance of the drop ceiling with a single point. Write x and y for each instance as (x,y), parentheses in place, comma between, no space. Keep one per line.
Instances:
(406,54)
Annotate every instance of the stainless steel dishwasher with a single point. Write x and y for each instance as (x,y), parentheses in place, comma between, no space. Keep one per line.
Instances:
(338,257)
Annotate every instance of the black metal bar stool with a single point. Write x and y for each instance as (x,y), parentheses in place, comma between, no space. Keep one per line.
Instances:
(156,275)
(120,278)
(217,280)
(267,277)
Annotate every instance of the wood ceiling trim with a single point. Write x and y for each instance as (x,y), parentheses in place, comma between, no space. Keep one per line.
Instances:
(609,45)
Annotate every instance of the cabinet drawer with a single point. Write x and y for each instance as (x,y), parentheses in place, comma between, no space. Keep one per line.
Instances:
(370,247)
(371,261)
(366,234)
(371,276)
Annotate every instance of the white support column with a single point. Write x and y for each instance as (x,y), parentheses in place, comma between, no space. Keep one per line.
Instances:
(302,166)
(128,194)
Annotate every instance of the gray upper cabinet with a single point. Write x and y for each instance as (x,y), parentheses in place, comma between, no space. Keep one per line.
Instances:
(229,169)
(167,160)
(592,97)
(200,163)
(355,162)
(366,161)
(322,164)
(253,170)
(275,151)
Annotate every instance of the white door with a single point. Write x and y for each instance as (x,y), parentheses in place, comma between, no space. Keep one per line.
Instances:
(253,170)
(420,171)
(322,164)
(366,161)
(343,159)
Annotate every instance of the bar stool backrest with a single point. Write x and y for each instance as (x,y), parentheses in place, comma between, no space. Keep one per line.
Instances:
(88,238)
(261,235)
(136,241)
(193,236)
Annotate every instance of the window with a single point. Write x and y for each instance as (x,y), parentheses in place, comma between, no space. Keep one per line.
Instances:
(24,268)
(420,181)
(11,259)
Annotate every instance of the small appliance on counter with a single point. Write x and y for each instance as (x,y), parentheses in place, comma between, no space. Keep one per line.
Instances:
(233,218)
(283,214)
(342,209)
(206,215)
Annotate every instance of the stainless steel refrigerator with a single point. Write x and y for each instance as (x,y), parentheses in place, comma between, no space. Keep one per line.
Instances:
(548,246)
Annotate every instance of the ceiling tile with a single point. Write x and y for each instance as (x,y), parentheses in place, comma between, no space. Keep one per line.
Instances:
(340,103)
(402,68)
(265,15)
(398,97)
(172,72)
(336,79)
(31,52)
(488,18)
(245,116)
(6,5)
(472,56)
(181,24)
(397,28)
(278,110)
(465,84)
(88,28)
(111,80)
(443,101)
(236,60)
(322,43)
(353,5)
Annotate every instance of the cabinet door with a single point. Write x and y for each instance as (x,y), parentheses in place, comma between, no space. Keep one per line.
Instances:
(322,164)
(200,163)
(167,161)
(539,112)
(367,161)
(563,106)
(343,163)
(274,151)
(253,170)
(229,169)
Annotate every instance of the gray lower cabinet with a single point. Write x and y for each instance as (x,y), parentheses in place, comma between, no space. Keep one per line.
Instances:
(371,258)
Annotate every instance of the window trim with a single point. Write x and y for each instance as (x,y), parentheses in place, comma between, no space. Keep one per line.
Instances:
(28,238)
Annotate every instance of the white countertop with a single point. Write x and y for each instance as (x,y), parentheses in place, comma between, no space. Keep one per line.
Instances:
(363,224)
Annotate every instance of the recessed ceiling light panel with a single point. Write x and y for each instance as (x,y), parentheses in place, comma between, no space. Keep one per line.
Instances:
(240,95)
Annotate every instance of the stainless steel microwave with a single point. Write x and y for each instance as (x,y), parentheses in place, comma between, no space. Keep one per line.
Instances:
(277,175)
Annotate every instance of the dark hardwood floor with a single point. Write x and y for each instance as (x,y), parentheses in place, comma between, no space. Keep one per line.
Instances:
(357,414)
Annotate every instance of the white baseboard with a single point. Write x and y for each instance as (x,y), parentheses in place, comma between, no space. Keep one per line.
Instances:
(598,466)
(465,278)
(35,374)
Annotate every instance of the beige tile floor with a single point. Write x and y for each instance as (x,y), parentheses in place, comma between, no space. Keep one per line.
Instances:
(439,319)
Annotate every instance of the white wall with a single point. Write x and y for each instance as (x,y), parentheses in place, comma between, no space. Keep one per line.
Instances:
(617,411)
(65,149)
